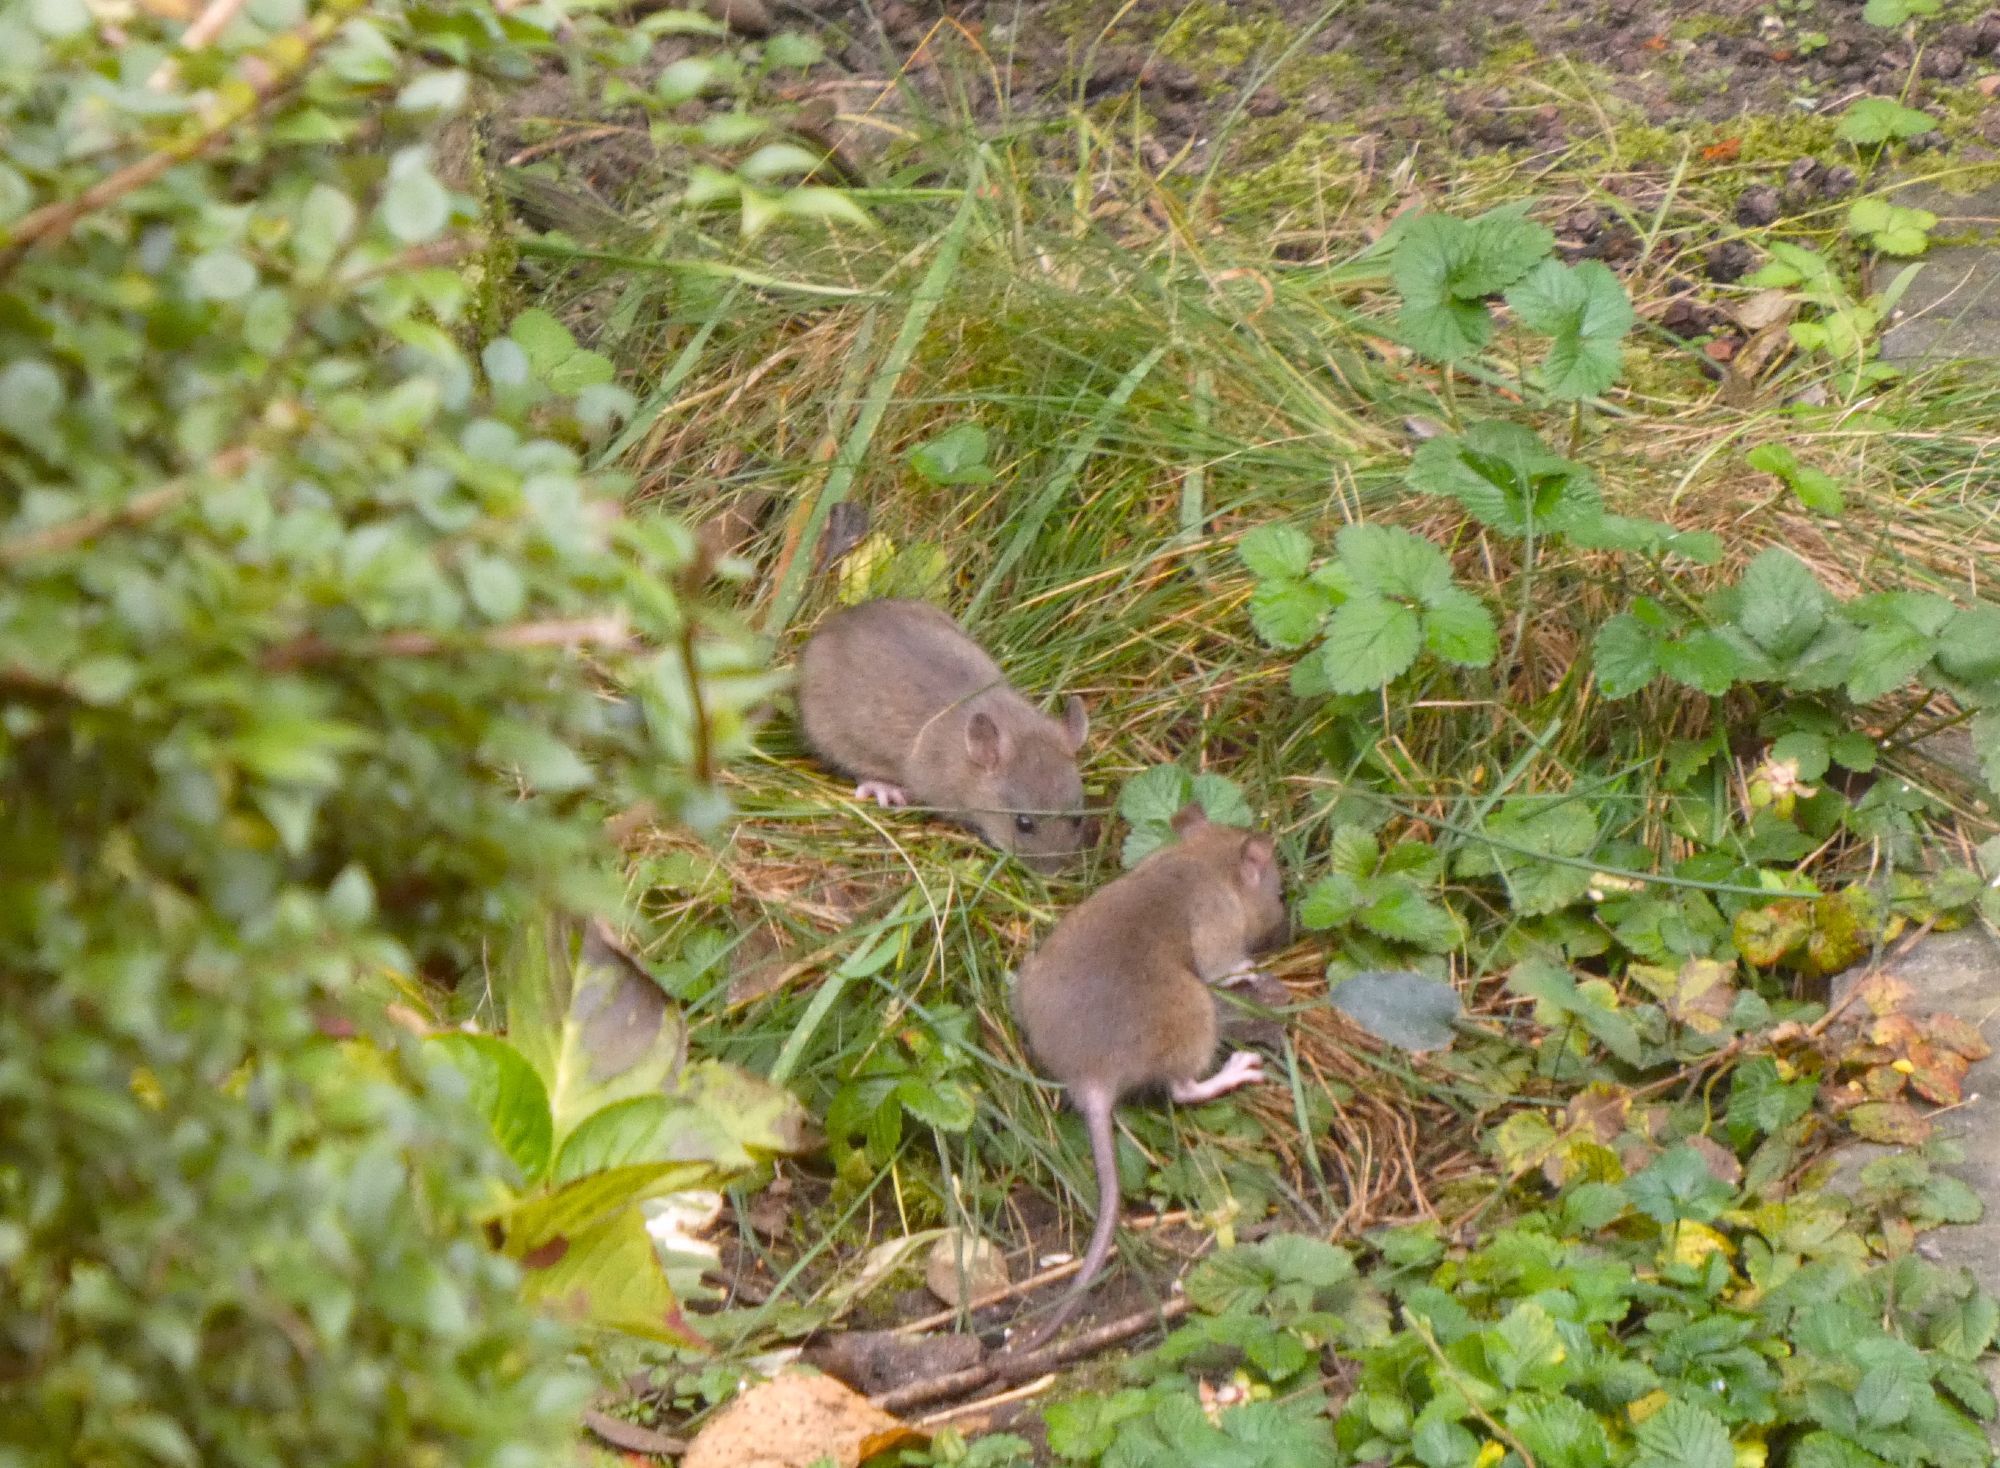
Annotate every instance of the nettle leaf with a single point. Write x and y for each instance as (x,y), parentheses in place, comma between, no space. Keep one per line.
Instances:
(1438,319)
(1370,642)
(1276,551)
(1878,120)
(1585,312)
(955,457)
(1403,1009)
(1507,478)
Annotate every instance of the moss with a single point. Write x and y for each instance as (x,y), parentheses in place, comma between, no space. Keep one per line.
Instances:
(1213,36)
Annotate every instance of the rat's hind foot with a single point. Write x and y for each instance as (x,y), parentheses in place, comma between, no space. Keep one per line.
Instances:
(1237,978)
(881,792)
(1244,1068)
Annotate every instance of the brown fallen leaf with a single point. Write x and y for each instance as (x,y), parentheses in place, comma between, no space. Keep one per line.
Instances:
(796,1419)
(1988,85)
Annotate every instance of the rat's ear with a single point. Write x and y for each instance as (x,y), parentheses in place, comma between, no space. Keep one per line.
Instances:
(1259,855)
(1189,819)
(982,741)
(1076,722)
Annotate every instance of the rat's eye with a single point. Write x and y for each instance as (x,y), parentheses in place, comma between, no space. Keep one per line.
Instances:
(1024,824)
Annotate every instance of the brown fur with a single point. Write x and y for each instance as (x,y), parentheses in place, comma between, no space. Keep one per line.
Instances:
(1117,1000)
(895,691)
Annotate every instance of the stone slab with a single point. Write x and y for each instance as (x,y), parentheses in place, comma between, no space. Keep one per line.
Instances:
(1951,311)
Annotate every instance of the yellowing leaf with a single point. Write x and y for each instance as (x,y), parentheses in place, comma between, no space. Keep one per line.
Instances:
(1490,1453)
(1693,1242)
(1523,1140)
(860,567)
(796,1419)
(1646,1406)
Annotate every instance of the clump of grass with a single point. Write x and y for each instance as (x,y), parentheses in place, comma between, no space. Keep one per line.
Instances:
(1154,384)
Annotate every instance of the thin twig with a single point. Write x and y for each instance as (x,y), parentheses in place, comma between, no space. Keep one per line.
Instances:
(630,1437)
(211,23)
(54,221)
(69,534)
(611,631)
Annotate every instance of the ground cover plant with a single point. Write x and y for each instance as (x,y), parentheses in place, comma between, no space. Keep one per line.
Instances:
(1624,684)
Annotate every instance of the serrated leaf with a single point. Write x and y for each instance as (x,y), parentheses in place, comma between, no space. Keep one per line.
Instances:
(1221,799)
(1585,313)
(1506,477)
(1684,1435)
(1276,551)
(1370,642)
(1888,656)
(1968,648)
(1287,613)
(1402,1009)
(1152,796)
(1703,660)
(1459,629)
(1398,911)
(1878,120)
(1623,657)
(1678,1184)
(1393,562)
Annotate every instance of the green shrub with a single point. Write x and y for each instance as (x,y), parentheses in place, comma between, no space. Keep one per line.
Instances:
(314,666)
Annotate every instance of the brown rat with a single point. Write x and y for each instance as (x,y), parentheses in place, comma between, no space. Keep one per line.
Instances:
(895,694)
(1117,998)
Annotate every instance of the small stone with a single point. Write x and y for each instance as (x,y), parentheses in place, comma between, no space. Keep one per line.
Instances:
(1265,102)
(1986,35)
(1943,62)
(1839,182)
(1685,318)
(1804,171)
(961,1269)
(1585,223)
(1757,206)
(1731,260)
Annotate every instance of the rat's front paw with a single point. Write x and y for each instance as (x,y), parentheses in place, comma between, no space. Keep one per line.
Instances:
(881,792)
(1248,974)
(1244,1068)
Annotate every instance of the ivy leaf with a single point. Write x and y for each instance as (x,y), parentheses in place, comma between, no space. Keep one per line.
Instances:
(1276,551)
(1370,642)
(1584,311)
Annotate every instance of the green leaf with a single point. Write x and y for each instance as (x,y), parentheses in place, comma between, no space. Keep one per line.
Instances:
(1702,660)
(1890,654)
(793,51)
(1391,561)
(1584,311)
(1623,656)
(1370,641)
(1402,913)
(1816,490)
(1460,630)
(434,92)
(1402,1009)
(684,80)
(1152,796)
(1276,551)
(1222,799)
(608,1274)
(222,275)
(780,160)
(31,394)
(1331,901)
(591,1021)
(1781,604)
(1878,120)
(495,587)
(1967,1327)
(1684,1435)
(537,756)
(1506,477)
(1968,648)
(1677,1185)
(1892,13)
(505,1090)
(545,339)
(1525,1346)
(415,206)
(580,370)
(1559,1430)
(956,456)
(1435,321)
(59,19)
(1286,613)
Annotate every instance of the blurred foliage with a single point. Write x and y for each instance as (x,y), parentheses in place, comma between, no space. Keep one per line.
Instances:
(319,666)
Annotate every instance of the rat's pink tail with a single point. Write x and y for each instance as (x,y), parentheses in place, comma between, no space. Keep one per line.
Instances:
(1096,1105)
